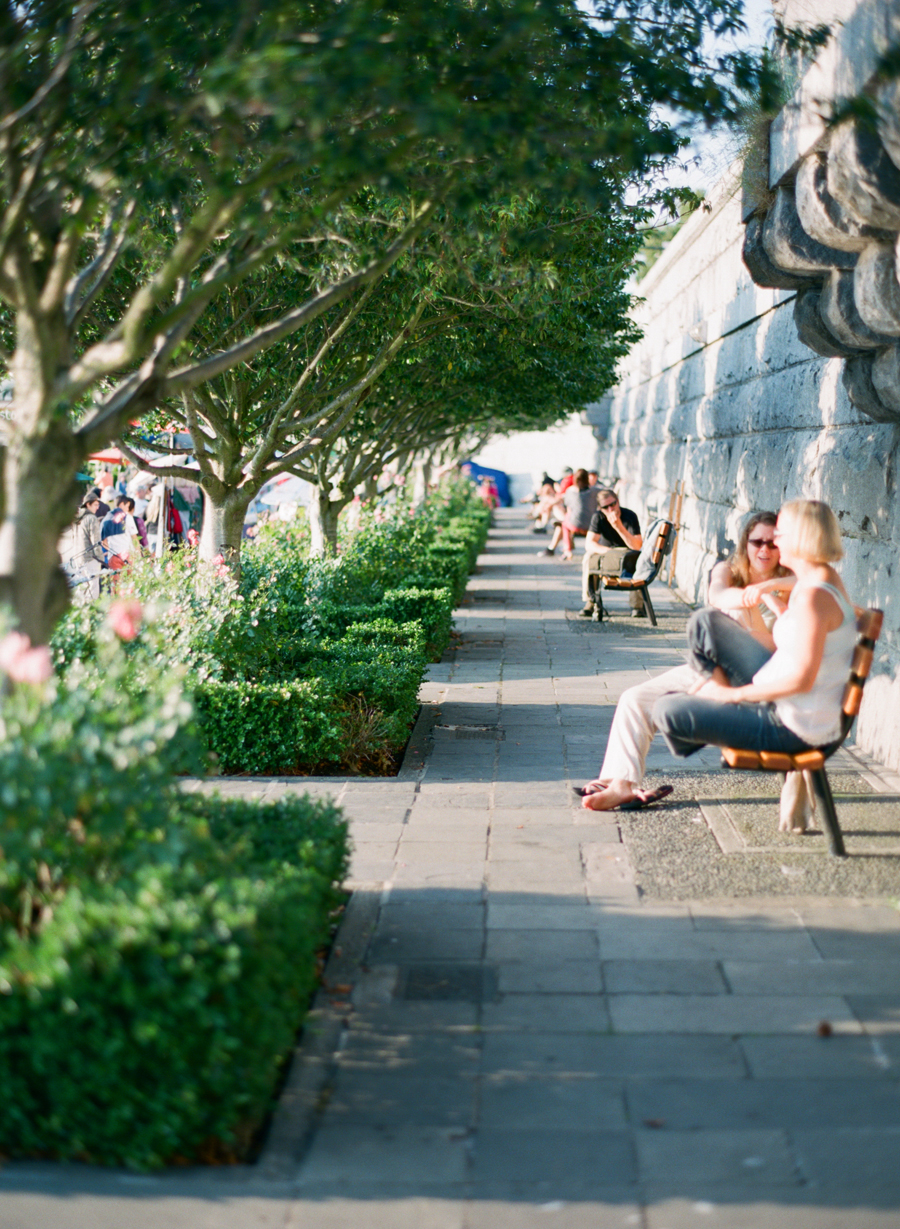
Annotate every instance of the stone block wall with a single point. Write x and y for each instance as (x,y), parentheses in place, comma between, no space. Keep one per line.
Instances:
(722,394)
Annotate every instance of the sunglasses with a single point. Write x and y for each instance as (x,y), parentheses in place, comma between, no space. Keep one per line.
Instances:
(614,504)
(760,542)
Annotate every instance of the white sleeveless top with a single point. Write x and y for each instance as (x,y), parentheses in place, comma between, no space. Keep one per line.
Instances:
(814,716)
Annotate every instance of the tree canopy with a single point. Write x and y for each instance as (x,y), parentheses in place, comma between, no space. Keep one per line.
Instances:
(153,159)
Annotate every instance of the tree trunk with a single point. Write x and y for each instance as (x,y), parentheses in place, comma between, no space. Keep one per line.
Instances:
(41,498)
(323,523)
(421,479)
(223,525)
(370,491)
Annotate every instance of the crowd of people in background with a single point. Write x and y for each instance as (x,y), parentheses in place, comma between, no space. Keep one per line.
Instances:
(564,507)
(119,520)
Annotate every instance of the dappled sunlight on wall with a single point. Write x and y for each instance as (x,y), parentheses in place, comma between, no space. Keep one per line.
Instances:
(722,394)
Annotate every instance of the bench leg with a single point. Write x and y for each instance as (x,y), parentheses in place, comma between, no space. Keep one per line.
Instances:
(651,613)
(829,814)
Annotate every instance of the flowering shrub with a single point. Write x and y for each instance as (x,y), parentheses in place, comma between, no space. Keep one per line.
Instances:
(125,619)
(22,663)
(157,951)
(88,763)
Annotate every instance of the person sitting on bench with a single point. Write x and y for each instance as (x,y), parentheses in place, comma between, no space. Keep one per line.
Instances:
(576,504)
(736,586)
(611,527)
(789,700)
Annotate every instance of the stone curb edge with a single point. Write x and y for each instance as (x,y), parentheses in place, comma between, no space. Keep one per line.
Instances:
(312,1063)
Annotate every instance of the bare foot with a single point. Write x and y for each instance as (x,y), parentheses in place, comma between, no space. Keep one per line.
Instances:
(592,787)
(608,799)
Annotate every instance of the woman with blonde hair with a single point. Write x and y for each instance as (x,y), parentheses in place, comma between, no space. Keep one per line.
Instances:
(738,587)
(789,700)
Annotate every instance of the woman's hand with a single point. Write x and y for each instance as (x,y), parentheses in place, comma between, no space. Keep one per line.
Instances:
(775,603)
(752,595)
(716,687)
(722,693)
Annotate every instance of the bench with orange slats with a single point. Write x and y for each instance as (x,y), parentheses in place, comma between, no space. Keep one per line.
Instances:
(869,625)
(660,547)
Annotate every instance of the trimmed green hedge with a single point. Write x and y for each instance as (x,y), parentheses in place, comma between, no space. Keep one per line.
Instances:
(359,630)
(433,607)
(148,1021)
(301,721)
(270,728)
(447,563)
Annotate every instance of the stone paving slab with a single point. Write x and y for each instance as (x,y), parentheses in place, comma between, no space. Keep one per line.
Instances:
(560,1019)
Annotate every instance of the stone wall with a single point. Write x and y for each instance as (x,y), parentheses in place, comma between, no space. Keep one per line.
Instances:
(723,394)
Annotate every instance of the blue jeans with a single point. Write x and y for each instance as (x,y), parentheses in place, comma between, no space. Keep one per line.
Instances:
(716,640)
(688,723)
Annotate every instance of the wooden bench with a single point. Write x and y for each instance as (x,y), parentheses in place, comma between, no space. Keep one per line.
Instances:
(869,626)
(657,549)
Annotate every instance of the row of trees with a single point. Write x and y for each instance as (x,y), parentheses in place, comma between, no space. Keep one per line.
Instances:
(322,236)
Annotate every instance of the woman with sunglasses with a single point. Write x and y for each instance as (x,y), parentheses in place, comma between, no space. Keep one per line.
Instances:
(740,587)
(790,699)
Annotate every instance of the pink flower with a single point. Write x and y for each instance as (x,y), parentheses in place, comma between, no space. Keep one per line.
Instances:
(23,663)
(217,560)
(193,537)
(125,619)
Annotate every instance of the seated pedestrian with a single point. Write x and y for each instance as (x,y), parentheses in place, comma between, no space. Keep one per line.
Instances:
(612,527)
(543,504)
(788,700)
(738,586)
(579,503)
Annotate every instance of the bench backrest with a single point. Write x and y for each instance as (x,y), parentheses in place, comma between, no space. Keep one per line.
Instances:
(868,624)
(659,541)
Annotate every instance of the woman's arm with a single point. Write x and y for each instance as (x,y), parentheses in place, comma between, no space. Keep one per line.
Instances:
(725,595)
(743,604)
(817,614)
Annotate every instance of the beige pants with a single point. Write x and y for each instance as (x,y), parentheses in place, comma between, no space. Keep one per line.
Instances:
(633,730)
(591,560)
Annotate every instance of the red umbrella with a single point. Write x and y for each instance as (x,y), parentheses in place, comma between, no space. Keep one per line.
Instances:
(110,456)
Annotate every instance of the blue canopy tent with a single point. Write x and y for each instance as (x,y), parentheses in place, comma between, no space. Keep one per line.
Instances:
(499,476)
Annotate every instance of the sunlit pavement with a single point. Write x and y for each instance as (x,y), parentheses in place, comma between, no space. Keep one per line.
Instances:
(528,1020)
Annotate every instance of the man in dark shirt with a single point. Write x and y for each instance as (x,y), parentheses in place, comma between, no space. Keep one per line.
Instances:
(612,526)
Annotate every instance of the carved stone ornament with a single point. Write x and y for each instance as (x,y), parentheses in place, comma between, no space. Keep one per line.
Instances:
(833,235)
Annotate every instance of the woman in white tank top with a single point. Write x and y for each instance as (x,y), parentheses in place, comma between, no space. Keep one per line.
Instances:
(793,701)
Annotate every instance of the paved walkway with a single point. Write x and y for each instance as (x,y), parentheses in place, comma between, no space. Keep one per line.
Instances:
(536,1016)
